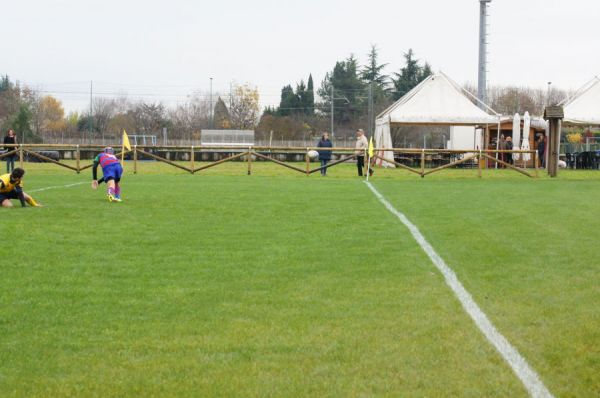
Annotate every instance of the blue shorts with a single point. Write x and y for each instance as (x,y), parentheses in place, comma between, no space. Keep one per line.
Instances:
(8,195)
(112,172)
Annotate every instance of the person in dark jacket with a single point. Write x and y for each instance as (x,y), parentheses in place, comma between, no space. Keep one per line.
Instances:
(542,150)
(324,155)
(508,146)
(11,138)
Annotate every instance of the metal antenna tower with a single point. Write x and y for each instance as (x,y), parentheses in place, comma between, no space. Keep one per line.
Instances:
(483,42)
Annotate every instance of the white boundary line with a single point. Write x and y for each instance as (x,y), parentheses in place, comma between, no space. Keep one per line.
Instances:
(519,365)
(56,187)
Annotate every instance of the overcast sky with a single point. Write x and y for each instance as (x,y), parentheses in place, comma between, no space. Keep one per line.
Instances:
(163,49)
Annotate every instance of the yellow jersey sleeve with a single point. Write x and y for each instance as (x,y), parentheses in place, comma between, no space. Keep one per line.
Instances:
(6,185)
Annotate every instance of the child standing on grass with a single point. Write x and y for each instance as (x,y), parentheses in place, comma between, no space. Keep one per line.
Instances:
(11,187)
(111,174)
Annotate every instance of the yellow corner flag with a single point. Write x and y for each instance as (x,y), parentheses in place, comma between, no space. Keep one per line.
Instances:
(371,148)
(126,145)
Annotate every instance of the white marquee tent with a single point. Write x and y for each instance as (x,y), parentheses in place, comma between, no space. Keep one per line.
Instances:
(436,101)
(584,107)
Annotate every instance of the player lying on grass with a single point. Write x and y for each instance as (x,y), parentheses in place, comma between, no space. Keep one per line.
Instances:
(11,187)
(111,174)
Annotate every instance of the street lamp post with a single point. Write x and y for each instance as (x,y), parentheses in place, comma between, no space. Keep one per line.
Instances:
(211,106)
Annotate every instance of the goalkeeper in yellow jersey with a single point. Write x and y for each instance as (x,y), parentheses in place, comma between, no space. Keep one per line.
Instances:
(11,187)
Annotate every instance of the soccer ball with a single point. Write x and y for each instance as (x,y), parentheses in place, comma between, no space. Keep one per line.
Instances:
(312,154)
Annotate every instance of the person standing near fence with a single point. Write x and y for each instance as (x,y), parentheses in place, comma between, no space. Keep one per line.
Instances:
(324,155)
(11,138)
(501,146)
(541,149)
(361,146)
(508,146)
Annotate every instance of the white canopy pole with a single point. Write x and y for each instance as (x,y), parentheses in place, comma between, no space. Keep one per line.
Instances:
(525,146)
(498,140)
(516,138)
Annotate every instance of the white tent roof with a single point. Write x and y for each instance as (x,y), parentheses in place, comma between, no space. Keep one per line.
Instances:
(437,101)
(584,106)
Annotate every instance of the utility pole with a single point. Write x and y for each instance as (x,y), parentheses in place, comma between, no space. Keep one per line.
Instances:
(91,120)
(332,97)
(211,106)
(483,42)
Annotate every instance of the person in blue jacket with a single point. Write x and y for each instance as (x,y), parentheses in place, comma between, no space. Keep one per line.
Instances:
(324,155)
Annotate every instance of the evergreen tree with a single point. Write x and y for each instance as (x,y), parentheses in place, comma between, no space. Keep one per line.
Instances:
(410,75)
(5,84)
(290,103)
(425,72)
(222,120)
(270,110)
(348,90)
(22,124)
(372,72)
(301,95)
(309,103)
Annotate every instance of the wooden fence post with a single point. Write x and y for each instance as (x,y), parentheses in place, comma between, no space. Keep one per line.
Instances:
(249,160)
(307,158)
(423,163)
(135,159)
(21,155)
(78,159)
(554,116)
(192,159)
(479,164)
(535,163)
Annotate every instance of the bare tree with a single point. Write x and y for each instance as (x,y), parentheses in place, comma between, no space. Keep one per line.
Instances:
(104,110)
(508,100)
(189,118)
(149,118)
(244,110)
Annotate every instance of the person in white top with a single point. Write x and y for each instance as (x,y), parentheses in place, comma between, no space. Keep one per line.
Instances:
(361,146)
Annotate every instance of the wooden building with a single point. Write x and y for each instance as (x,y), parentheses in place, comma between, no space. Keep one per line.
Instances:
(537,128)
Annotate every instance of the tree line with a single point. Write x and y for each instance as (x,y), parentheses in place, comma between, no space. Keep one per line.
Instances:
(355,93)
(350,90)
(38,118)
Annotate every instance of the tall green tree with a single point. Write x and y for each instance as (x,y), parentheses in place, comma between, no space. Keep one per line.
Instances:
(348,88)
(289,103)
(300,101)
(309,98)
(372,73)
(21,123)
(5,84)
(373,70)
(410,75)
(222,120)
(301,96)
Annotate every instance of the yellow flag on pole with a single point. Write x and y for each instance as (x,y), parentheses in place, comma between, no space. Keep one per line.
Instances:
(126,144)
(371,148)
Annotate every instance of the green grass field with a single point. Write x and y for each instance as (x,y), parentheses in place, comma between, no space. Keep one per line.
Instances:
(278,284)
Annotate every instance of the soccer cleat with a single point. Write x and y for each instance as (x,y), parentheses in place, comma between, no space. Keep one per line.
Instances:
(111,197)
(117,198)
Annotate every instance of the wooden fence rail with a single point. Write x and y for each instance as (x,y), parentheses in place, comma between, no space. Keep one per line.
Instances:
(267,154)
